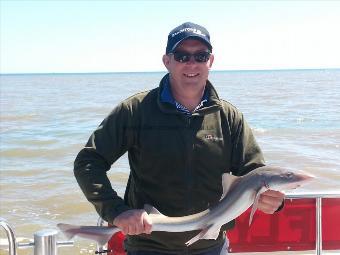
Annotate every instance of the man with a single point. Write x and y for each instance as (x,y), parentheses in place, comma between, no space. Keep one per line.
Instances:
(180,138)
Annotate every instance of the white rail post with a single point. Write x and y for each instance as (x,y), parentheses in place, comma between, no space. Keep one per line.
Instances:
(12,246)
(45,242)
(101,249)
(318,225)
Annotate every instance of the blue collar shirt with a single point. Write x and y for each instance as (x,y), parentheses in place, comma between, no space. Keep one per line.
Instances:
(167,97)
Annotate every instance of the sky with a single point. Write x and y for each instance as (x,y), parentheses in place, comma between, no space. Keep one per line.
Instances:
(130,36)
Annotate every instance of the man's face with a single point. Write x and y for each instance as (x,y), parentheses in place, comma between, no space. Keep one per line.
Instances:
(191,73)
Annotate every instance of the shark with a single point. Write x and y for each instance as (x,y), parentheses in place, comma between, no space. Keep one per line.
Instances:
(239,194)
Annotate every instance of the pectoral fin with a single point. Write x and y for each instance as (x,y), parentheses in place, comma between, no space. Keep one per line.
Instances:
(255,204)
(210,232)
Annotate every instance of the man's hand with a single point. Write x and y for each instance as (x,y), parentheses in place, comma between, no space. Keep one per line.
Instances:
(133,222)
(270,201)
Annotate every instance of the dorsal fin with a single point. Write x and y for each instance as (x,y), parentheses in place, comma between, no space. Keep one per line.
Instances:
(227,181)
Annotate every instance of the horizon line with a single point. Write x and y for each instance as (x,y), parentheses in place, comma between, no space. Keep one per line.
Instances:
(211,71)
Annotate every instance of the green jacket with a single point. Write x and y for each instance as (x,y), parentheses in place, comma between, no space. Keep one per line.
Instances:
(176,162)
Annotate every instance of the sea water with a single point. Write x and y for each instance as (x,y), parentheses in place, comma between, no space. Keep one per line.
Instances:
(47,118)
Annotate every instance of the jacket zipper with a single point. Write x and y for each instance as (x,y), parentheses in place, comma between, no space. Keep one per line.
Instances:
(189,175)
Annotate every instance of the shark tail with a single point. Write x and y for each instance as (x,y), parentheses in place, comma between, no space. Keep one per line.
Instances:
(96,233)
(66,229)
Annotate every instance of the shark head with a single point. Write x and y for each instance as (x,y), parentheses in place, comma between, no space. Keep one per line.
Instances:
(277,178)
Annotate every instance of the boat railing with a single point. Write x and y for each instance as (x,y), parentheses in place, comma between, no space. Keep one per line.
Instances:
(290,196)
(45,242)
(318,207)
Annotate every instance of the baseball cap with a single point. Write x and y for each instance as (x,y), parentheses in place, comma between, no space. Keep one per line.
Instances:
(185,31)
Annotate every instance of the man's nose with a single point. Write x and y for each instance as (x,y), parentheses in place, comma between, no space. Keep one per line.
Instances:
(191,60)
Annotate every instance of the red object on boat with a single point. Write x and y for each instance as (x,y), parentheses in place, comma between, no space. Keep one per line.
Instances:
(292,229)
(115,245)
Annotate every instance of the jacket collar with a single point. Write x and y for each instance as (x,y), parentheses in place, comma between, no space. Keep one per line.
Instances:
(166,101)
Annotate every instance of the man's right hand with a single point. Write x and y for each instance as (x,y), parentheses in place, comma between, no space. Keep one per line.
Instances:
(134,222)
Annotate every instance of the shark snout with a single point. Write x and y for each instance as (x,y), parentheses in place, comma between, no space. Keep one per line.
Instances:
(296,179)
(306,177)
(302,178)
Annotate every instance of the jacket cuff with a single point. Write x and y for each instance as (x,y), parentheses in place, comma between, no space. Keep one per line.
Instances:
(109,210)
(118,210)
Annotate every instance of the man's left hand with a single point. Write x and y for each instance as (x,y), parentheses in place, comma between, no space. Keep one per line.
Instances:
(270,201)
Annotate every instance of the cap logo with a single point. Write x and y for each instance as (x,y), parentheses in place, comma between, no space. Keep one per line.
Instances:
(189,29)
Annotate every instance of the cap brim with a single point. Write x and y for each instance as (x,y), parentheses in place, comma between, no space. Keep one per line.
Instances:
(192,37)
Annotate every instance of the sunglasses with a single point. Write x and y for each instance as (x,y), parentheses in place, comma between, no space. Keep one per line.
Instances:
(183,57)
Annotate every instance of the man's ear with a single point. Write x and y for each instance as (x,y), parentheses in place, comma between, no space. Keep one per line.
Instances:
(166,61)
(211,60)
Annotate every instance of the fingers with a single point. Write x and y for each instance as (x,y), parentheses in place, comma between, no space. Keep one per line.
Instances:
(273,193)
(270,201)
(147,223)
(133,222)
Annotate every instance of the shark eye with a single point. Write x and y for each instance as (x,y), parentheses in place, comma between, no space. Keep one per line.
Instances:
(290,174)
